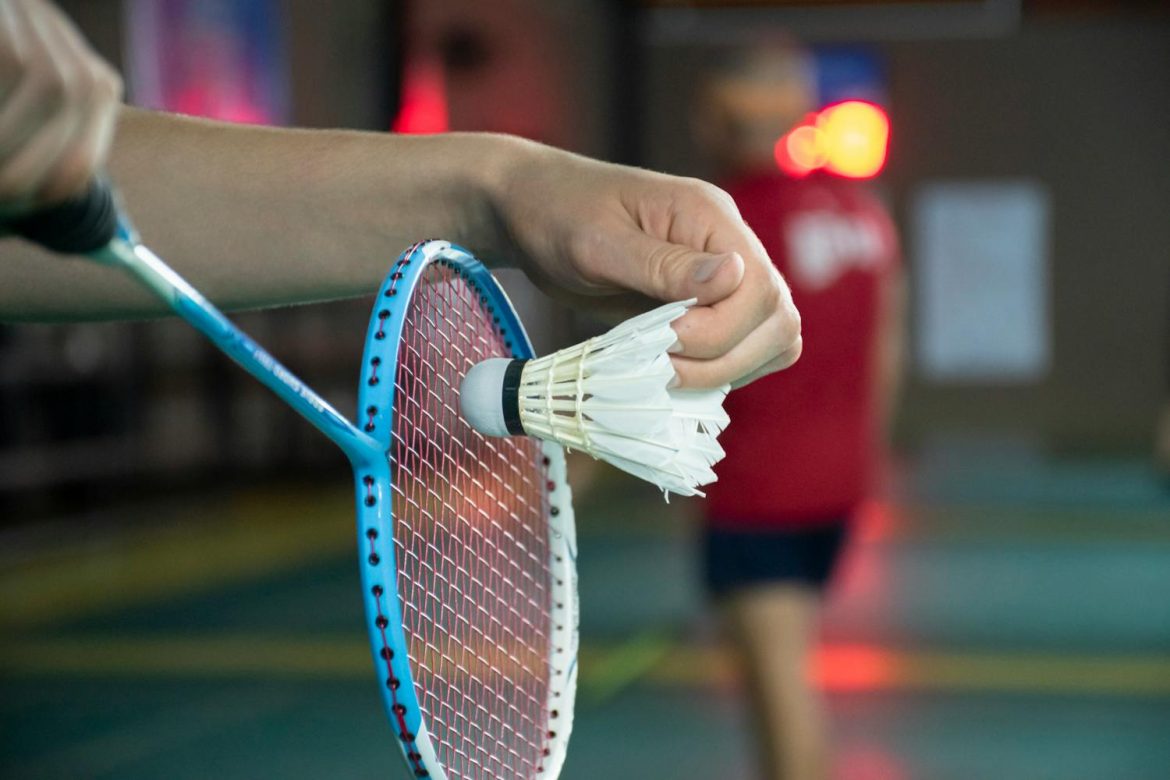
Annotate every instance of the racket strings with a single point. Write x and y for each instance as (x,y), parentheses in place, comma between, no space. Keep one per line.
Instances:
(473,549)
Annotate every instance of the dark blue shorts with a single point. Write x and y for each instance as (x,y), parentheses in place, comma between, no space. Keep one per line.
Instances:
(740,559)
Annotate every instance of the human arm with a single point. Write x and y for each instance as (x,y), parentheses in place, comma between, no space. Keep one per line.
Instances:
(261,216)
(257,216)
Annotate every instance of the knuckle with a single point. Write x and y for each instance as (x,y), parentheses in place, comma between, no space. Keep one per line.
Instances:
(104,80)
(788,332)
(793,353)
(705,190)
(770,298)
(721,195)
(792,316)
(52,91)
(773,294)
(782,332)
(111,84)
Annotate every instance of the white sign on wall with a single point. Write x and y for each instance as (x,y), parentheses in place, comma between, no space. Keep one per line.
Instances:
(981,256)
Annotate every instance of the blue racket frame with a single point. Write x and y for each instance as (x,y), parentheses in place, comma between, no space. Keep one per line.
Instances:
(375,524)
(368,452)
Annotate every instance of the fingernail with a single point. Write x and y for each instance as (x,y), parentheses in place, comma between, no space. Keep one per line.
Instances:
(675,348)
(709,267)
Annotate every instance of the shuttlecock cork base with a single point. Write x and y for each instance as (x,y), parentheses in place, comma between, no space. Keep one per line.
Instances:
(609,396)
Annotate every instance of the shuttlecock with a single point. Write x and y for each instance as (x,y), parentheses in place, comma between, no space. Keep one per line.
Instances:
(609,396)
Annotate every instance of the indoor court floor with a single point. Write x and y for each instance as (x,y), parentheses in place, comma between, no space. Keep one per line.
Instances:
(997,618)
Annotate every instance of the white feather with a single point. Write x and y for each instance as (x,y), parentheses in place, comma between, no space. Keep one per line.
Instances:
(610,397)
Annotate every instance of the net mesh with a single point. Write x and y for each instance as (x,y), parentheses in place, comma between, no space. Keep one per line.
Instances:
(471,536)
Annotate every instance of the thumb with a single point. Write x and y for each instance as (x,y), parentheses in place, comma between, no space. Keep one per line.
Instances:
(673,272)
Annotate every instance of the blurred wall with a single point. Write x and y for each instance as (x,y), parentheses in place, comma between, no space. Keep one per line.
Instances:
(540,69)
(88,411)
(343,58)
(1085,109)
(1082,107)
(344,62)
(533,68)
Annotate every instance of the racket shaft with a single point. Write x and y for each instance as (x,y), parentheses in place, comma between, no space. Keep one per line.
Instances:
(189,303)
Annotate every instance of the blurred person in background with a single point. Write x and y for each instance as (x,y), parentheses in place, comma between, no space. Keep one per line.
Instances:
(803,445)
(300,215)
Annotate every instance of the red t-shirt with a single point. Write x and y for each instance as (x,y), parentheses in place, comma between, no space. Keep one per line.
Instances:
(801,443)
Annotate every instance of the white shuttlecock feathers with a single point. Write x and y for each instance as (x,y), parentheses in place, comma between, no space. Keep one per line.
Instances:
(610,397)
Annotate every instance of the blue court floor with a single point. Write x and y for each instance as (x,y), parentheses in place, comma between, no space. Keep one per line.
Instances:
(996,619)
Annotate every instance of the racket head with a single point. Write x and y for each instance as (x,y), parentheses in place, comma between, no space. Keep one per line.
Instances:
(467,545)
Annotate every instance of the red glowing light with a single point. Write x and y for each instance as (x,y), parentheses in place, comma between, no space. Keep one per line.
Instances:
(424,101)
(206,99)
(848,139)
(843,668)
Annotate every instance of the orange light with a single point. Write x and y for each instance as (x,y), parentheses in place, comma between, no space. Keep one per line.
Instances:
(784,159)
(801,150)
(847,139)
(807,147)
(857,136)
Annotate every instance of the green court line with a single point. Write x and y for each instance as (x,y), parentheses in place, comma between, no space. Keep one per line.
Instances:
(199,545)
(270,532)
(956,671)
(651,659)
(180,656)
(606,673)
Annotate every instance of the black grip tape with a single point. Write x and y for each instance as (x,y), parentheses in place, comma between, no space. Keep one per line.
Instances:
(81,224)
(511,397)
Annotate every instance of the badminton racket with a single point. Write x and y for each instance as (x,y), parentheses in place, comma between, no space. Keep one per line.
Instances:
(466,543)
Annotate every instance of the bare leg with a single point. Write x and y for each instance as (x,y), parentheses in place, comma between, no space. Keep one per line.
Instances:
(774,626)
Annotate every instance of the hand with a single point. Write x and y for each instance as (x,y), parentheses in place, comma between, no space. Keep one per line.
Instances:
(58,104)
(584,229)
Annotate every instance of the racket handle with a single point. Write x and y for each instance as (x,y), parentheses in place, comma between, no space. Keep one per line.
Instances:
(84,223)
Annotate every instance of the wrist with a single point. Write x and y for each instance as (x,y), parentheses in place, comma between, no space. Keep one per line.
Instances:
(467,177)
(501,165)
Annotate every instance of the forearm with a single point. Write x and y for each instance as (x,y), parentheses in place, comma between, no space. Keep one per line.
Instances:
(256,216)
(259,216)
